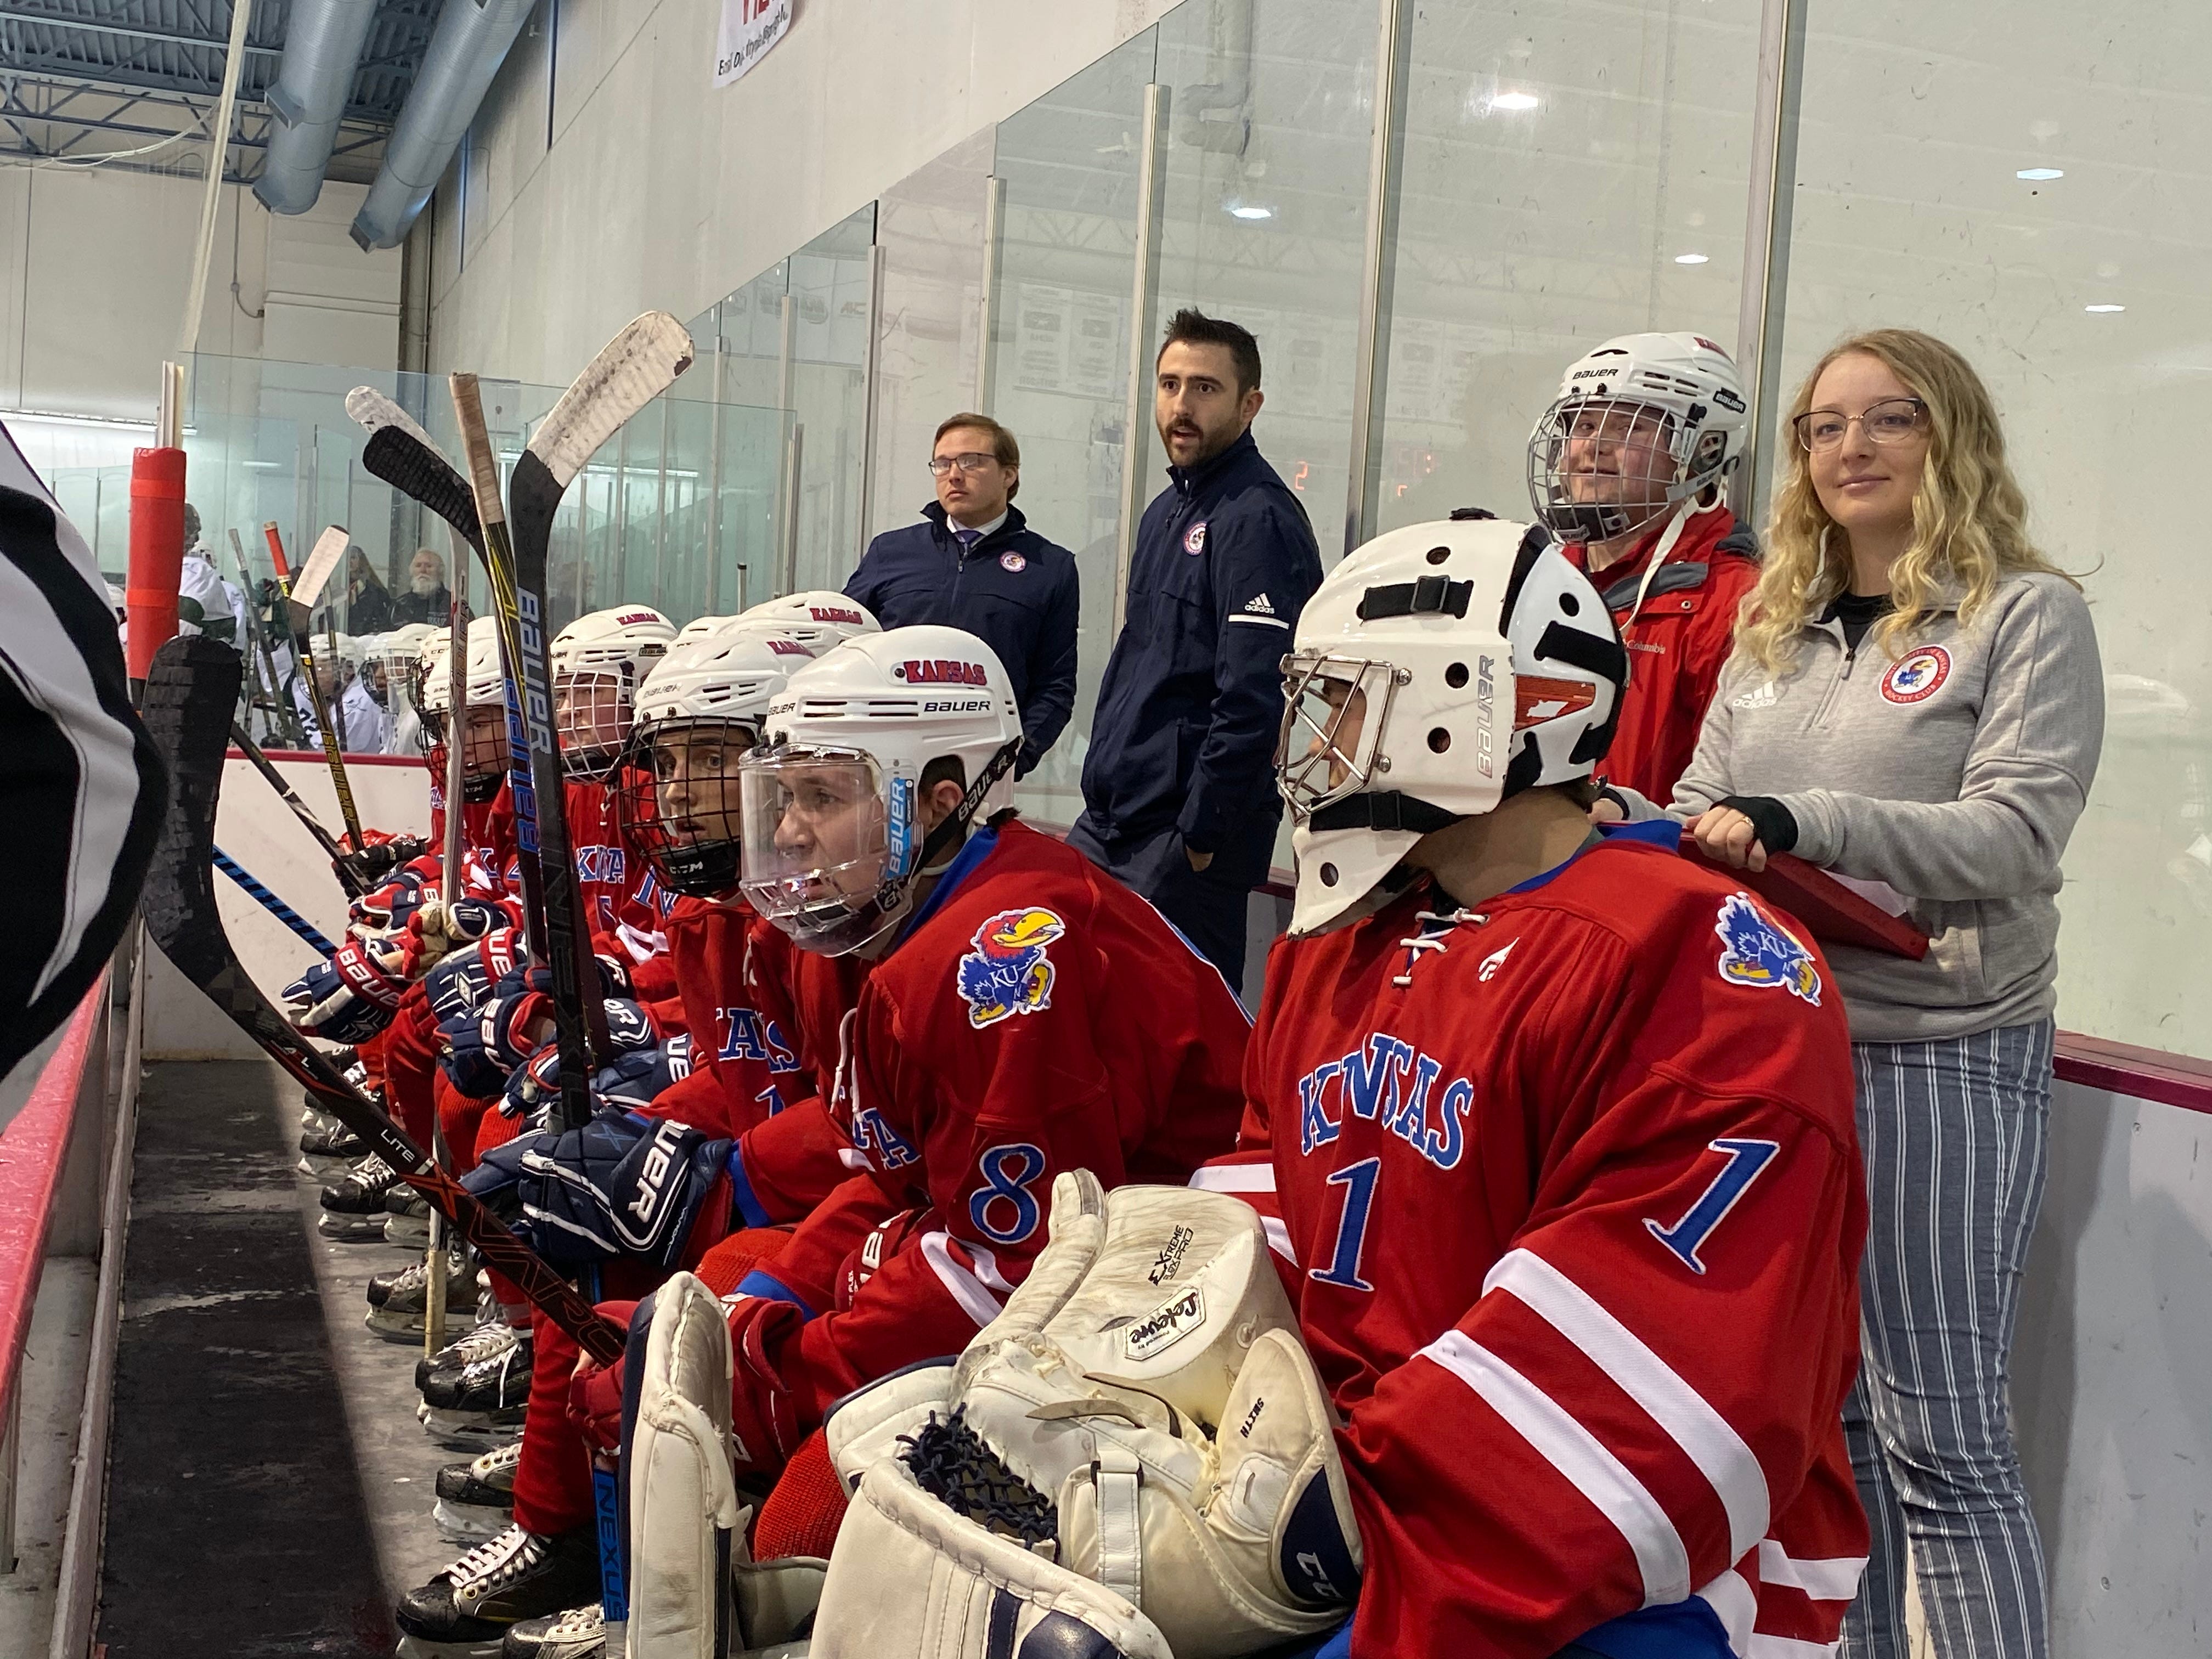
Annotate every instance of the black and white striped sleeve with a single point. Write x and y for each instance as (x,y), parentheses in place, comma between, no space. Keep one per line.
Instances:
(82,791)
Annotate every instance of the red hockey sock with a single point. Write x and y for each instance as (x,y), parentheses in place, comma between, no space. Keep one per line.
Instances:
(802,1514)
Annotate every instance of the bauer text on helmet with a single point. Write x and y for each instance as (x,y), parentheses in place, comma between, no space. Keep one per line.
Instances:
(1642,424)
(882,755)
(1437,671)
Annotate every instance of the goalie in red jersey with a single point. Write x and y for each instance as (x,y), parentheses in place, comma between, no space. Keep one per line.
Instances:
(1556,1128)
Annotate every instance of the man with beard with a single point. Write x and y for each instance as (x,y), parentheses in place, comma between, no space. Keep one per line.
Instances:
(1178,798)
(426,600)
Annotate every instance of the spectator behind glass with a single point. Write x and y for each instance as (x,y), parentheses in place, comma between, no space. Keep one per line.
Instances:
(367,602)
(1179,787)
(1950,765)
(974,563)
(426,599)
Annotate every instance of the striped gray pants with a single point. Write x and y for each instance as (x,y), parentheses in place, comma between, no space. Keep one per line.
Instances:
(1955,1135)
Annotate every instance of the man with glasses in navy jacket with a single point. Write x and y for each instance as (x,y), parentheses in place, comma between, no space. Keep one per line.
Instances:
(974,563)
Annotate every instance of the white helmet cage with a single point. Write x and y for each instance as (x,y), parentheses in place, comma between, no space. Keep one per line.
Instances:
(817,617)
(598,660)
(871,716)
(1681,392)
(700,708)
(1439,671)
(484,761)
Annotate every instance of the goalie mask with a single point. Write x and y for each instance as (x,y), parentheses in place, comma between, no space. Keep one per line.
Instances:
(483,759)
(1439,670)
(698,712)
(1641,426)
(834,838)
(818,618)
(599,661)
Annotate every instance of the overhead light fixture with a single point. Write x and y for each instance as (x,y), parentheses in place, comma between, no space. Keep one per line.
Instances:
(1514,102)
(2037,174)
(1248,212)
(261,466)
(1693,258)
(2104,310)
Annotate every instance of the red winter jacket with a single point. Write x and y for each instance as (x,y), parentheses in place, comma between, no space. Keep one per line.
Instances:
(1677,638)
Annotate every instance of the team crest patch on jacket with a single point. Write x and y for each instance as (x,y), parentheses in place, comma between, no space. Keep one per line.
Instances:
(1758,951)
(1917,676)
(1193,539)
(1008,972)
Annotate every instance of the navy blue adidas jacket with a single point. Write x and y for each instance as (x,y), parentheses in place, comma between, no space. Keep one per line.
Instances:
(1193,697)
(1013,589)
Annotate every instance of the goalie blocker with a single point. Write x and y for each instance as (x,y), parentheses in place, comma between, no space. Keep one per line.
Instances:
(1134,1458)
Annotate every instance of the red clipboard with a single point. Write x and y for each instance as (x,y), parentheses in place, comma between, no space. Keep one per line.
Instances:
(1831,911)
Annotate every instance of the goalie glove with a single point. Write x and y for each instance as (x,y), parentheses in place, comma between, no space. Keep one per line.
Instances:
(488,1045)
(1154,1313)
(629,1031)
(620,1186)
(349,998)
(458,986)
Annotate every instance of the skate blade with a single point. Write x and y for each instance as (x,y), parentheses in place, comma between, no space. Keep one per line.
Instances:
(421,1647)
(381,1323)
(329,1170)
(350,1230)
(468,1523)
(409,1235)
(471,1430)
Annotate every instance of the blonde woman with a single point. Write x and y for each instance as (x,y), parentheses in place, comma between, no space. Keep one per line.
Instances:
(1915,699)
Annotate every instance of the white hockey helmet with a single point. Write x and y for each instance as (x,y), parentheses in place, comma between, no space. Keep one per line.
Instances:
(398,652)
(700,710)
(484,761)
(1438,670)
(833,841)
(599,661)
(699,627)
(818,618)
(1645,423)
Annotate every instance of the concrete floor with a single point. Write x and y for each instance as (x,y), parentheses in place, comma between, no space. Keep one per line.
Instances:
(270,1488)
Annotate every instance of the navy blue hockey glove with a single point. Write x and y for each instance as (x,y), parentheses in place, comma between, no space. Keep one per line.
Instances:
(488,1045)
(374,911)
(635,1078)
(459,986)
(620,1186)
(438,929)
(628,1031)
(349,998)
(614,978)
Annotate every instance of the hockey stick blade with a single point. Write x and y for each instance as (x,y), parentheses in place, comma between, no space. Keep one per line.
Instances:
(631,370)
(329,547)
(190,691)
(401,454)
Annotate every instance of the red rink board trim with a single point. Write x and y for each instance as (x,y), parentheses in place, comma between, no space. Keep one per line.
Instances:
(2124,1069)
(32,1150)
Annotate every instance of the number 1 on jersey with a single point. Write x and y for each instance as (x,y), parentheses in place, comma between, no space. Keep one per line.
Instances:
(1357,1180)
(1745,1159)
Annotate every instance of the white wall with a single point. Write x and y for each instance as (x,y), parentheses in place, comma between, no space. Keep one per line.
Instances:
(659,190)
(94,266)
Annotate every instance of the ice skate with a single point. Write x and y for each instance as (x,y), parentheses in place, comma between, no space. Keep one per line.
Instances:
(481,1404)
(407,1218)
(327,1147)
(353,1209)
(476,1499)
(489,1339)
(579,1633)
(398,1302)
(464,1613)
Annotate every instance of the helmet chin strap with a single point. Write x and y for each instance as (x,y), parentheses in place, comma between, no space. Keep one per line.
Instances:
(944,842)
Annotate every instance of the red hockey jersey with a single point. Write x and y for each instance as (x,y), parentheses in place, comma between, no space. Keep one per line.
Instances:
(1575,1196)
(1037,1017)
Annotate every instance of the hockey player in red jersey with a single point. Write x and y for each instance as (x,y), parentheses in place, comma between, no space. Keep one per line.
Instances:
(1558,1128)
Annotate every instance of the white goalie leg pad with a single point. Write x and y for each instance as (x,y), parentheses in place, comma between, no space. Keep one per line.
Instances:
(909,1579)
(683,1506)
(869,1423)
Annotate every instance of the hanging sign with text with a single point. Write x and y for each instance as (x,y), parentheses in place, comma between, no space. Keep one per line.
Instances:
(748,28)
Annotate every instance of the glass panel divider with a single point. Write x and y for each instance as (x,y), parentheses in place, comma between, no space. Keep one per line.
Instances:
(1144,304)
(1371,351)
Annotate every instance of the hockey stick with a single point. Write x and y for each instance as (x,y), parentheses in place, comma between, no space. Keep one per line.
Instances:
(310,583)
(534,782)
(188,695)
(274,906)
(256,644)
(449,871)
(267,768)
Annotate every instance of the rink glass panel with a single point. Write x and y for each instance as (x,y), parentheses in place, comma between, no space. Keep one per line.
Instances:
(1917,121)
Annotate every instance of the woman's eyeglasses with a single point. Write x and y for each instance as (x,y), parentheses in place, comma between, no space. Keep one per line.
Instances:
(1892,421)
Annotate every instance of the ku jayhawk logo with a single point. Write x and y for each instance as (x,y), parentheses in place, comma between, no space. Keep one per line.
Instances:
(1919,676)
(1760,951)
(1008,972)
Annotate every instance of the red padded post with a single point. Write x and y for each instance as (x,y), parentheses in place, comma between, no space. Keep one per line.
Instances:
(157,552)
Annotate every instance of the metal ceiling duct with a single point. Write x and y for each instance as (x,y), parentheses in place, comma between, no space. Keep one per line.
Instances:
(323,43)
(470,43)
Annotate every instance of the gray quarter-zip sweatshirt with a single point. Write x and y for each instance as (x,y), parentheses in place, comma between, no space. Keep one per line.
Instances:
(1954,774)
